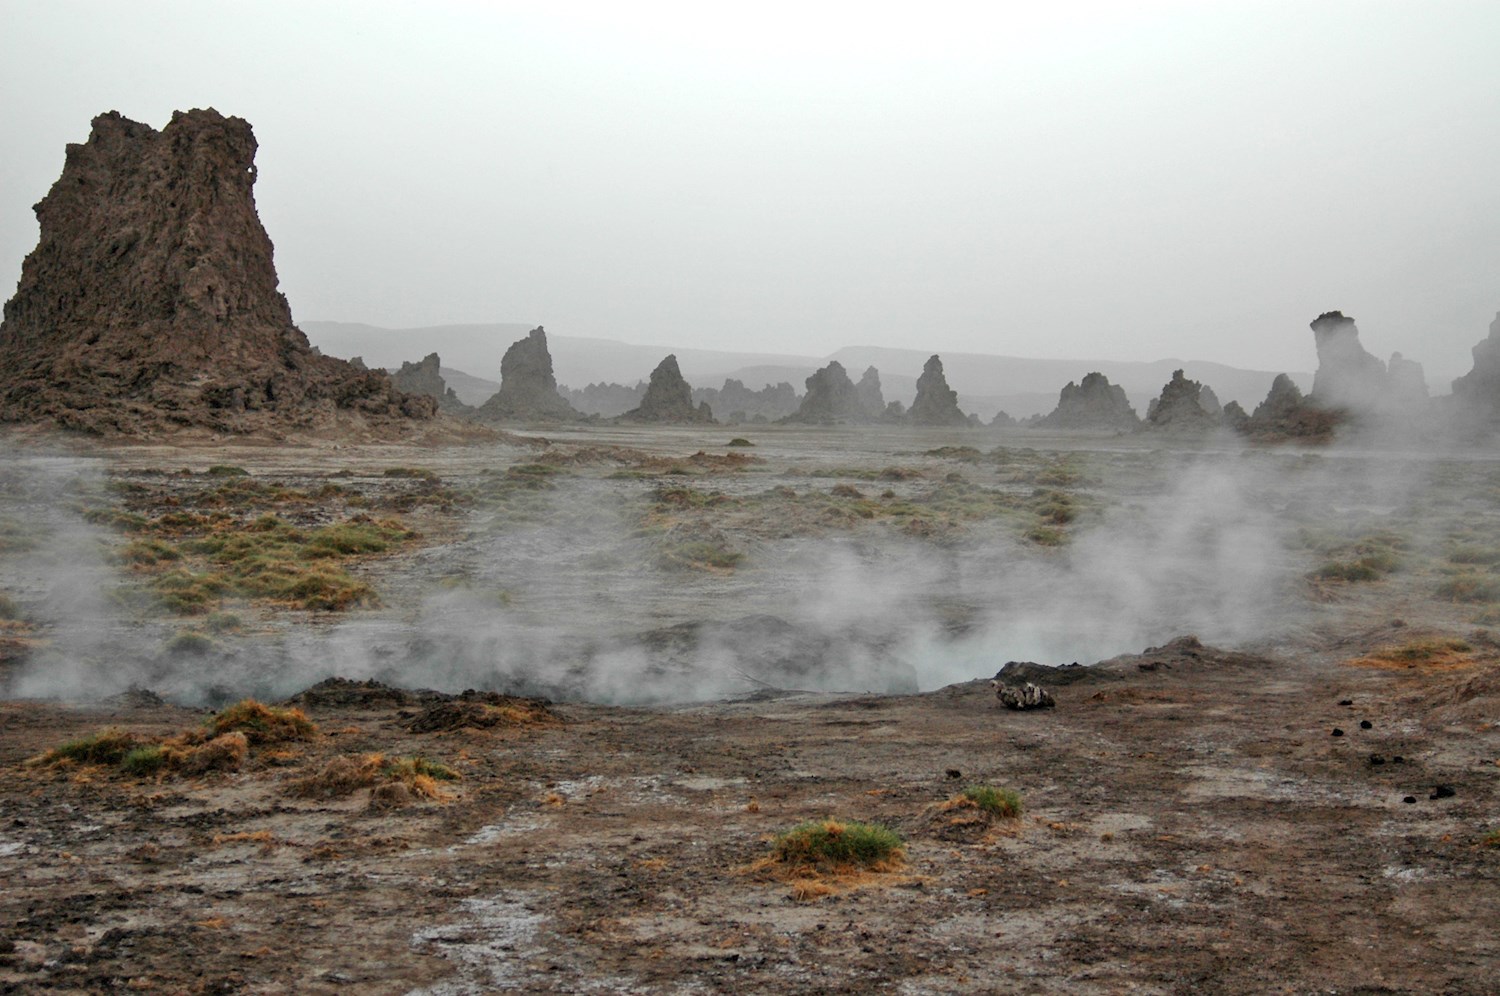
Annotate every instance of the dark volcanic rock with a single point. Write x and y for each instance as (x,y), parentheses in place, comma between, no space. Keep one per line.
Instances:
(1093,404)
(150,300)
(1286,414)
(425,378)
(528,389)
(1185,406)
(1347,377)
(669,398)
(1478,391)
(936,403)
(830,399)
(871,398)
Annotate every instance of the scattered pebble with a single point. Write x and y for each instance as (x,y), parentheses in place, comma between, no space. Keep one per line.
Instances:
(1377,758)
(1337,732)
(1346,702)
(1365,724)
(1410,800)
(954,773)
(1443,792)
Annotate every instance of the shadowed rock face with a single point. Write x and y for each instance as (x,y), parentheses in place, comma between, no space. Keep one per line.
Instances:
(831,398)
(425,378)
(936,403)
(1479,390)
(1185,406)
(871,398)
(1347,377)
(669,398)
(1286,414)
(1093,404)
(528,389)
(151,298)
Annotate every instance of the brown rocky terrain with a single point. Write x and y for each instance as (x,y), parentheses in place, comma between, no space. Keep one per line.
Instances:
(425,378)
(150,302)
(1314,806)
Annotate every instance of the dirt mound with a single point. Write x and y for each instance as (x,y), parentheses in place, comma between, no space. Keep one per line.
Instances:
(1185,655)
(150,301)
(482,711)
(344,693)
(528,388)
(1029,673)
(669,399)
(1093,404)
(936,403)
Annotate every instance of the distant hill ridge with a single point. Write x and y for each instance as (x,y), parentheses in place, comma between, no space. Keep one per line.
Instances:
(985,382)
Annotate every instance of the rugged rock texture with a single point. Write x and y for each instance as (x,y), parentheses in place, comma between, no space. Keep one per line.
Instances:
(1093,404)
(736,403)
(528,389)
(868,393)
(425,378)
(936,403)
(1478,391)
(1286,414)
(607,400)
(150,301)
(1347,377)
(1235,417)
(1185,406)
(830,399)
(669,398)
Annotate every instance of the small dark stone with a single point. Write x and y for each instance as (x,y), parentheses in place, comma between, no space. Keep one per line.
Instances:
(1346,702)
(1443,792)
(954,773)
(1377,759)
(1365,724)
(1398,759)
(1337,732)
(1410,800)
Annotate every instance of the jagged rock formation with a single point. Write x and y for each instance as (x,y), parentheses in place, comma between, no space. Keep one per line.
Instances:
(867,392)
(151,298)
(606,400)
(1003,420)
(1235,417)
(1347,377)
(1185,406)
(1478,391)
(1286,414)
(936,403)
(1093,404)
(528,389)
(831,399)
(774,401)
(669,399)
(424,378)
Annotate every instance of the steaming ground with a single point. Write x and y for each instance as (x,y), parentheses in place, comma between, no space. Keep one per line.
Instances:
(564,592)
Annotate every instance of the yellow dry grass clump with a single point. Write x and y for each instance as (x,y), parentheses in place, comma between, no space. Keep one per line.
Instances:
(262,724)
(393,781)
(824,857)
(1420,655)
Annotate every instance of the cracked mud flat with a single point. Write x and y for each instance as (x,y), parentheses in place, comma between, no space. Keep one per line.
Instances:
(1191,822)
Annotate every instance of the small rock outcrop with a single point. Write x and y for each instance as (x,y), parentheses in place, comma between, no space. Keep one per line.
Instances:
(151,301)
(1093,404)
(1185,406)
(740,404)
(669,399)
(1348,377)
(1478,391)
(936,403)
(1287,414)
(831,399)
(868,393)
(425,378)
(528,388)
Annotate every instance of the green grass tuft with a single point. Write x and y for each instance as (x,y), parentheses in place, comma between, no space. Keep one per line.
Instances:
(837,842)
(1004,803)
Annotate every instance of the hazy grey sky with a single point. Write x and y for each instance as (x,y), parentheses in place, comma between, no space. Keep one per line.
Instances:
(1196,180)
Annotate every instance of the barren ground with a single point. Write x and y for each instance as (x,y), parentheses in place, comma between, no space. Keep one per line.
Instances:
(1192,822)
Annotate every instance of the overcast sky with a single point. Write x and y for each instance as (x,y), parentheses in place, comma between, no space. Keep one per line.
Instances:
(1191,180)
